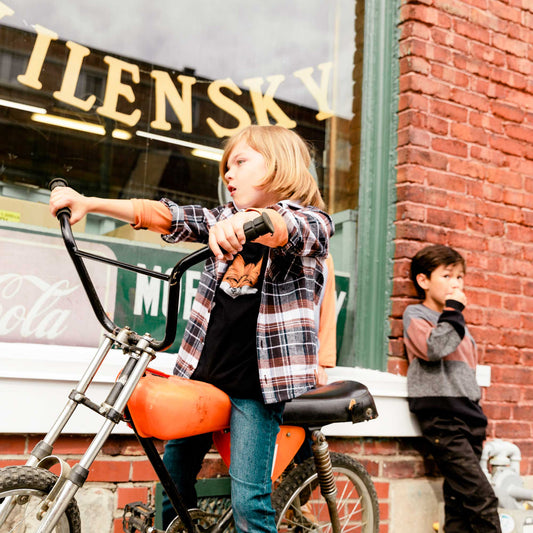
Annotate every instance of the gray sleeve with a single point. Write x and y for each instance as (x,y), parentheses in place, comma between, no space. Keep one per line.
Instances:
(442,341)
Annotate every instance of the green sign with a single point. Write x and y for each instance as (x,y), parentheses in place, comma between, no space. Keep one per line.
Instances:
(43,301)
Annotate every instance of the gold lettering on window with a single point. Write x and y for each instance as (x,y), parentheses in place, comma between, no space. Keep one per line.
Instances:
(5,11)
(31,77)
(228,105)
(264,103)
(166,91)
(319,93)
(71,76)
(115,88)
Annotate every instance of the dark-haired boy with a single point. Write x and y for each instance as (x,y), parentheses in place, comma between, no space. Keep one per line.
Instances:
(442,389)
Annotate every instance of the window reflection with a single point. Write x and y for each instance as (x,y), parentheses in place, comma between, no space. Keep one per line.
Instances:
(125,125)
(148,92)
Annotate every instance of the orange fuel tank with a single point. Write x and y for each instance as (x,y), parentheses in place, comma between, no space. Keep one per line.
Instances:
(169,407)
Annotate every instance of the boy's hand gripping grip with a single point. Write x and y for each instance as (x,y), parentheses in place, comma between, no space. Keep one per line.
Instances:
(257,227)
(59,182)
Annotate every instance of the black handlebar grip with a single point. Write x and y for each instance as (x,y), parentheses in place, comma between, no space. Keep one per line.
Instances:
(57,182)
(258,226)
(60,182)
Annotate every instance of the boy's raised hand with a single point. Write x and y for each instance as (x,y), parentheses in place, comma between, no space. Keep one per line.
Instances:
(62,197)
(228,235)
(458,295)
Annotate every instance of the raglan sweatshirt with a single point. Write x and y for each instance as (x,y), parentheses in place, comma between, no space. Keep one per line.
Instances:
(442,354)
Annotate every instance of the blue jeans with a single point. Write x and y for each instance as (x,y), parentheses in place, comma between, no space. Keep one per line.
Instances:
(254,427)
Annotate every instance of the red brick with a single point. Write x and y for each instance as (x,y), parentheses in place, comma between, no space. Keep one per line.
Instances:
(438,125)
(488,155)
(449,39)
(508,146)
(503,393)
(414,136)
(372,467)
(13,445)
(131,494)
(347,446)
(117,526)
(487,122)
(11,462)
(507,112)
(470,99)
(489,54)
(513,46)
(142,471)
(213,467)
(512,430)
(469,133)
(445,217)
(422,84)
(453,112)
(450,146)
(517,375)
(521,65)
(425,14)
(496,411)
(411,118)
(72,445)
(383,512)
(111,471)
(402,469)
(471,31)
(382,447)
(415,28)
(397,365)
(522,412)
(382,489)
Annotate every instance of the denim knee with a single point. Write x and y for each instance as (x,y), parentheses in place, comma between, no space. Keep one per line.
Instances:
(252,507)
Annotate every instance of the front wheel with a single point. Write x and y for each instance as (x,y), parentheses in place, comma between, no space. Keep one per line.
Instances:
(27,487)
(301,508)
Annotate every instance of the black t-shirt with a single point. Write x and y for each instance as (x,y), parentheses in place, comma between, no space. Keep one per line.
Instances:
(229,356)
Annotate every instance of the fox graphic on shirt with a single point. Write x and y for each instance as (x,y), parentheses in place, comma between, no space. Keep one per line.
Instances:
(241,277)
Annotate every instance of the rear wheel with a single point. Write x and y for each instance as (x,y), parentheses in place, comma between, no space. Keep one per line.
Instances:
(27,487)
(301,508)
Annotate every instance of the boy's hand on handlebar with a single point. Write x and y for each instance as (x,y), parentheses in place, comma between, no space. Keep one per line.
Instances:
(228,235)
(62,197)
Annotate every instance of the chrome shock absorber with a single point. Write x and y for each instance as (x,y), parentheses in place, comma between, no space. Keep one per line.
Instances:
(326,479)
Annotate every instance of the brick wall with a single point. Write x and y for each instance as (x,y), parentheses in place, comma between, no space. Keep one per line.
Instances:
(122,474)
(465,178)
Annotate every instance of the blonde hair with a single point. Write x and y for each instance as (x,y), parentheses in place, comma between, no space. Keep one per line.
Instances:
(287,158)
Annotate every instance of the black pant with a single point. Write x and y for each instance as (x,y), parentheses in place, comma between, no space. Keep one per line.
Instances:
(469,501)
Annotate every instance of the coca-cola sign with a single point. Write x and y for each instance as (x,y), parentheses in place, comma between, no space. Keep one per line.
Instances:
(41,298)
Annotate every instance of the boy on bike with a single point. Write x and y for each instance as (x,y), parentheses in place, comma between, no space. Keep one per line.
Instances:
(253,326)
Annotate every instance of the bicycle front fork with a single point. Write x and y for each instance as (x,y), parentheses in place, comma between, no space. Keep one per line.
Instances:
(324,470)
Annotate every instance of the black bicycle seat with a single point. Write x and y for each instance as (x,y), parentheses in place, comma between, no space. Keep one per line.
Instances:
(342,401)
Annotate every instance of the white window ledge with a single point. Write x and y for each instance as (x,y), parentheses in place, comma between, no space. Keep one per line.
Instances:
(35,380)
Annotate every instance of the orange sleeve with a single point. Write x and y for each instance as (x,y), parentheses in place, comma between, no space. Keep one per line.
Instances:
(152,215)
(327,328)
(280,237)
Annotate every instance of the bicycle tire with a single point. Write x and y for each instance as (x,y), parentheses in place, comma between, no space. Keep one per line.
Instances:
(29,486)
(357,501)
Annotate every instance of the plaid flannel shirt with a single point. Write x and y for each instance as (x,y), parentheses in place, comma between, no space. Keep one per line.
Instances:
(287,342)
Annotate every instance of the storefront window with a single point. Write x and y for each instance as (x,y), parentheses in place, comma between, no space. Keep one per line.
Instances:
(132,98)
